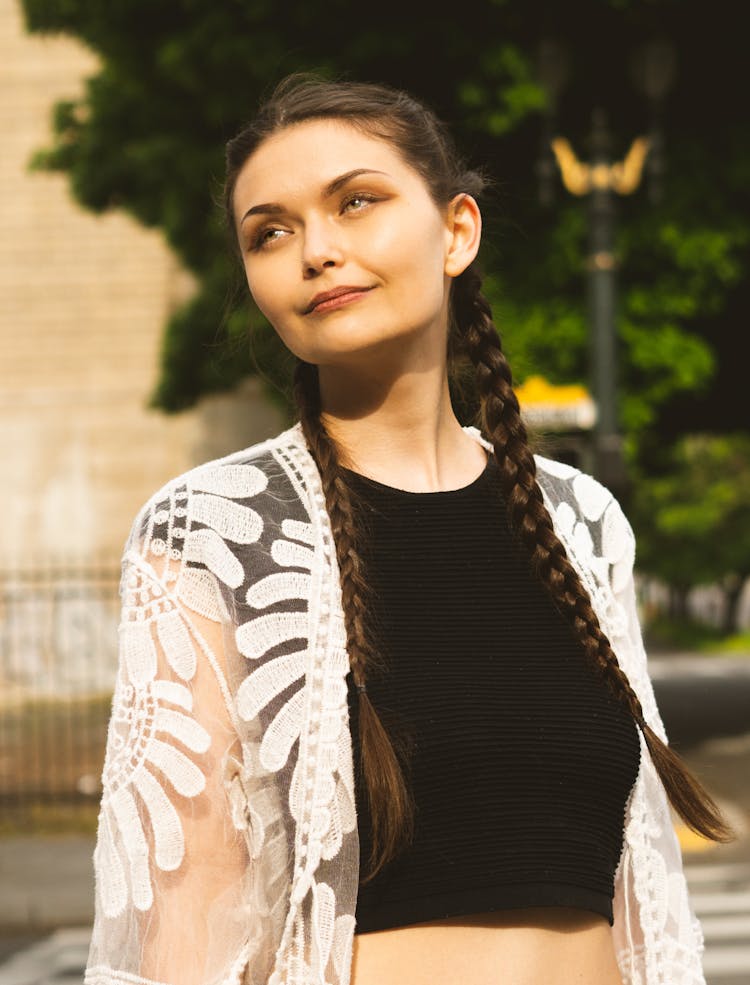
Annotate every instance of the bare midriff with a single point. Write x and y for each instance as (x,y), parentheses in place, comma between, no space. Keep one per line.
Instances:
(531,946)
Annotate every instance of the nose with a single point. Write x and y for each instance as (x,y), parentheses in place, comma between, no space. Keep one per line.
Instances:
(321,247)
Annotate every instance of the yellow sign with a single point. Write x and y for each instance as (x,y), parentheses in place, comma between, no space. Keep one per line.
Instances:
(543,404)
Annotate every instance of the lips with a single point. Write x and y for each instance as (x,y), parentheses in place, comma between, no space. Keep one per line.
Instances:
(335,293)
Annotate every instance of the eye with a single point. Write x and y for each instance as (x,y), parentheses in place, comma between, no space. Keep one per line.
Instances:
(259,242)
(362,197)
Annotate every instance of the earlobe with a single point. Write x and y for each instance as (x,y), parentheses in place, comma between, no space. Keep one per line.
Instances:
(464,234)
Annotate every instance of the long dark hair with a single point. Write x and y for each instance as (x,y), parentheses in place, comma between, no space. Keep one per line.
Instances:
(426,145)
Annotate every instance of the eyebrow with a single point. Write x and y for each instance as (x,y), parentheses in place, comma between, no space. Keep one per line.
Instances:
(273,208)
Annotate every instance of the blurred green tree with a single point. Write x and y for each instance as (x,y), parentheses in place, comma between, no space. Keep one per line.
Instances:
(178,77)
(695,519)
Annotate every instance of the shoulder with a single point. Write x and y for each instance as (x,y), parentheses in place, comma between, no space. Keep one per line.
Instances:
(586,496)
(562,482)
(587,514)
(255,458)
(225,492)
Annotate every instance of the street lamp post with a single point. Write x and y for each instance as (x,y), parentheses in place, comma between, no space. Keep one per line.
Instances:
(600,264)
(600,180)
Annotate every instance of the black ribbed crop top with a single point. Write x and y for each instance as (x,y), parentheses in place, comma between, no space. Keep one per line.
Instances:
(521,759)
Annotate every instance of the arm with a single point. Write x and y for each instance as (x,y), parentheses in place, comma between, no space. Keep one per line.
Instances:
(170,866)
(652,905)
(623,587)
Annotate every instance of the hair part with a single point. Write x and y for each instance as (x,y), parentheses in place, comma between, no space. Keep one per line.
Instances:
(425,144)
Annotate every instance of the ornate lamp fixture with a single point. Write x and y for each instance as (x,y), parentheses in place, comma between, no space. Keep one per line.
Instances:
(599,180)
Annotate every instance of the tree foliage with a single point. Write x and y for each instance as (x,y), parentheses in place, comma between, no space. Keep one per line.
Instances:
(695,516)
(178,77)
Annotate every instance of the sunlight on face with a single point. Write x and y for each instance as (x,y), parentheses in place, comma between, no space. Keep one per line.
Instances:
(303,232)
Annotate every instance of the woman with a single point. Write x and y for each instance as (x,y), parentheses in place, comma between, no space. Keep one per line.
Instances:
(383,713)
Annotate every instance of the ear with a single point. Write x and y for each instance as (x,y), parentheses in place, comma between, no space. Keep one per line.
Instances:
(463,233)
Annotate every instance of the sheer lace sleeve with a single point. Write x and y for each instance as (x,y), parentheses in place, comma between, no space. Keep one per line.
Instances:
(658,936)
(171,859)
(623,586)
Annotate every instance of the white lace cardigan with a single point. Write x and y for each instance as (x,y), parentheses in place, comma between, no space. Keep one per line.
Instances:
(227,849)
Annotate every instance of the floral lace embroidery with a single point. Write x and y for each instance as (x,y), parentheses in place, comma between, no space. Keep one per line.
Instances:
(657,936)
(291,793)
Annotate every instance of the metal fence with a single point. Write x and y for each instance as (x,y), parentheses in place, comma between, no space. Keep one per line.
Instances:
(58,660)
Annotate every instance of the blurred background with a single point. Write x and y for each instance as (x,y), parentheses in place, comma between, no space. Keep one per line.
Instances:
(616,255)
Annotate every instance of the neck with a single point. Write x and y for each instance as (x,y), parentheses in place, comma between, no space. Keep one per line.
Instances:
(400,427)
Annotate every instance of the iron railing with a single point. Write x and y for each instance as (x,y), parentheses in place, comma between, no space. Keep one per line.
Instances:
(58,660)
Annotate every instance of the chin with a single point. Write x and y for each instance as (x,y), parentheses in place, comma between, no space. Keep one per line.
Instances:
(340,335)
(352,345)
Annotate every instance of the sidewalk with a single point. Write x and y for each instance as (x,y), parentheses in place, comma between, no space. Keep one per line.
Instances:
(48,882)
(662,665)
(45,883)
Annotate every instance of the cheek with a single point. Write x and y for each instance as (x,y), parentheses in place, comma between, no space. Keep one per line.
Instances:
(263,291)
(410,251)
(266,291)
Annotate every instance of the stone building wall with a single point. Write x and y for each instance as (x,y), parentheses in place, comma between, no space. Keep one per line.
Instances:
(83,302)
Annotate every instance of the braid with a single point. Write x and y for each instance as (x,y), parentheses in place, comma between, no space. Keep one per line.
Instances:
(424,143)
(530,519)
(390,803)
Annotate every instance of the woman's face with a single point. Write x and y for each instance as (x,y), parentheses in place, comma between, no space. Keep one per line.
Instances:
(320,206)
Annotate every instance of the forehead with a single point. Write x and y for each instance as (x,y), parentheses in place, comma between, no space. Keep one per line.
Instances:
(305,156)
